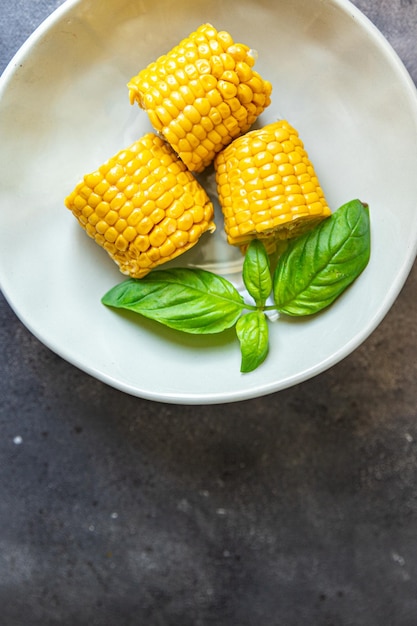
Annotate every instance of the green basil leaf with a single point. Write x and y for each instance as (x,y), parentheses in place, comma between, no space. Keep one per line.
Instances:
(252,332)
(318,266)
(256,272)
(192,300)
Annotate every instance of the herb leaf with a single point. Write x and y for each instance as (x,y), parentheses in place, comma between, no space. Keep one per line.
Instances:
(318,266)
(256,272)
(252,332)
(192,300)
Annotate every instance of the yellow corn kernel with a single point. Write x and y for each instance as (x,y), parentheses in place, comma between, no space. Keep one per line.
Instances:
(163,214)
(203,83)
(267,186)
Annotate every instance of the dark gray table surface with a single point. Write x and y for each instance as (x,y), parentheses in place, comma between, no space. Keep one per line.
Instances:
(295,509)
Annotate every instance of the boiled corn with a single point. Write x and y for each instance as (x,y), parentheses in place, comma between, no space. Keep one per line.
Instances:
(267,187)
(202,94)
(142,206)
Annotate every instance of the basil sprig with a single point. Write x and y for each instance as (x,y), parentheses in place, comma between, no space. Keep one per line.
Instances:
(311,273)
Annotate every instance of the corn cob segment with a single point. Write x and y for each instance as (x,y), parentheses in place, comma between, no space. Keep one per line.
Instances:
(142,206)
(267,187)
(202,94)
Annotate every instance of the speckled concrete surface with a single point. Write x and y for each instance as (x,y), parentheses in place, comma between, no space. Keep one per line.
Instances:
(298,508)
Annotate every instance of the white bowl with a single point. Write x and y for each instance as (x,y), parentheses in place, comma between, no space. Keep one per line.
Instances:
(64,109)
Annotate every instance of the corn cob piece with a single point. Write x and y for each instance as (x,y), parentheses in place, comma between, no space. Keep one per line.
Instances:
(142,206)
(202,94)
(267,187)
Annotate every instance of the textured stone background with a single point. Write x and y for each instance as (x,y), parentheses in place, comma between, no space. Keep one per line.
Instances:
(295,509)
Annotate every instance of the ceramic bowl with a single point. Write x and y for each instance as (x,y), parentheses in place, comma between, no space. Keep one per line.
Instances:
(64,109)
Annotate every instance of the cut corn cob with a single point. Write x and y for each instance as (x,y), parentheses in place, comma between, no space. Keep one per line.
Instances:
(143,206)
(202,94)
(267,187)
